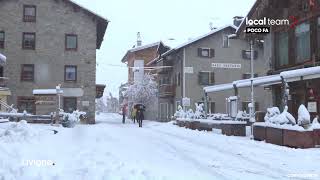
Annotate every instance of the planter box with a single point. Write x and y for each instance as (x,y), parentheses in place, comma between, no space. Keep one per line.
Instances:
(187,124)
(194,125)
(204,127)
(274,136)
(215,126)
(259,133)
(316,136)
(233,129)
(298,139)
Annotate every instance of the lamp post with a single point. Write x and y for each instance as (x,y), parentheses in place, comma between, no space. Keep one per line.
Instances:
(252,112)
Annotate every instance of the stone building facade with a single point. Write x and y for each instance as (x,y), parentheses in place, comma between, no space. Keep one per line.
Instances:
(51,42)
(192,70)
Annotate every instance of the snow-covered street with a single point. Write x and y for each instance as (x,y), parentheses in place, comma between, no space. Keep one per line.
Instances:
(111,150)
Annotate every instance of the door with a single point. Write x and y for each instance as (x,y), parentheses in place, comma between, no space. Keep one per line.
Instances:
(164,111)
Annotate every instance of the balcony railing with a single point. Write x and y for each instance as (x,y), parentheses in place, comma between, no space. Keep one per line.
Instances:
(3,81)
(167,90)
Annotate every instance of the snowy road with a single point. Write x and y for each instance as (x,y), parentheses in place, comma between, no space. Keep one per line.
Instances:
(111,150)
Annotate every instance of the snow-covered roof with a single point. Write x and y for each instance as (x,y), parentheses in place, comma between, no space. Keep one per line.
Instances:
(3,59)
(198,38)
(217,88)
(88,10)
(102,23)
(300,72)
(141,48)
(272,79)
(45,91)
(289,76)
(145,46)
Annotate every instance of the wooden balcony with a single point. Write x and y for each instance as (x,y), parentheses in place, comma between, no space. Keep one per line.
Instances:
(167,90)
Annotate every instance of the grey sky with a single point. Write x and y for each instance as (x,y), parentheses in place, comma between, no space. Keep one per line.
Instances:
(156,20)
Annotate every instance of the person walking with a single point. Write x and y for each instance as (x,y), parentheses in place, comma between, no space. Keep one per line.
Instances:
(134,114)
(139,113)
(124,114)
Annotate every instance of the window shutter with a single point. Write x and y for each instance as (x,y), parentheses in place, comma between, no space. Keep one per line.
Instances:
(199,52)
(212,53)
(212,78)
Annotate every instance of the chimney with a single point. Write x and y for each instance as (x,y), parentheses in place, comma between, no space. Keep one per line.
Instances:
(139,41)
(237,20)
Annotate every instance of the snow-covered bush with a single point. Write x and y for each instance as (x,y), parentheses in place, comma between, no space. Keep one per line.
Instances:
(303,115)
(190,114)
(273,116)
(217,116)
(199,113)
(180,113)
(70,119)
(315,123)
(242,115)
(271,113)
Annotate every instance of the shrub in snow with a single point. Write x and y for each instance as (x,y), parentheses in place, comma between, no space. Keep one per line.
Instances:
(285,117)
(303,116)
(315,123)
(218,116)
(199,114)
(271,113)
(190,114)
(70,119)
(180,113)
(242,115)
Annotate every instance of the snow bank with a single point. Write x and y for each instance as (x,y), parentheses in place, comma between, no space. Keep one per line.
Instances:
(17,131)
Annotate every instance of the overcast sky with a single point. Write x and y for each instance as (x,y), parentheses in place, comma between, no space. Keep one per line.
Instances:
(156,20)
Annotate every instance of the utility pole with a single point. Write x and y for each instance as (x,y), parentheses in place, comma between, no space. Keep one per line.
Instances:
(252,118)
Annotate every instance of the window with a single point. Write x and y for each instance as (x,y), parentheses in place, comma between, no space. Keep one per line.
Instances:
(26,104)
(69,104)
(206,78)
(2,39)
(29,41)
(27,72)
(246,54)
(71,42)
(302,34)
(225,41)
(29,13)
(206,52)
(246,108)
(70,73)
(281,49)
(248,75)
